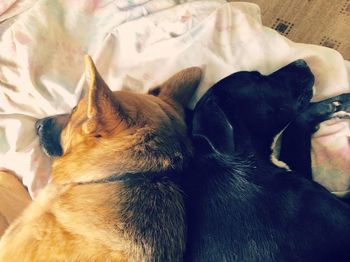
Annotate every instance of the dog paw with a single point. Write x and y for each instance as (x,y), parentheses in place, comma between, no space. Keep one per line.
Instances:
(318,112)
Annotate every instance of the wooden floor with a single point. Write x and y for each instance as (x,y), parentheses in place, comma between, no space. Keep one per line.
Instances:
(321,22)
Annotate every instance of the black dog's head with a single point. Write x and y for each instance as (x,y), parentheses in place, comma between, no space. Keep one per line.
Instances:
(255,106)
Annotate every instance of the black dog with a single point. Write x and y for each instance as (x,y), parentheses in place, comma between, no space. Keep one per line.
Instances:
(242,207)
(296,142)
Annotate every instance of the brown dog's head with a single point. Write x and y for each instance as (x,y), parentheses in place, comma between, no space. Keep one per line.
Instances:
(117,132)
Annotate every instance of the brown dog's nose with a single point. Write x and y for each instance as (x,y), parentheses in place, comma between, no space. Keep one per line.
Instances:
(44,123)
(39,125)
(48,130)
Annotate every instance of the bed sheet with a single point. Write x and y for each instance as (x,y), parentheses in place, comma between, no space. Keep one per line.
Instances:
(136,45)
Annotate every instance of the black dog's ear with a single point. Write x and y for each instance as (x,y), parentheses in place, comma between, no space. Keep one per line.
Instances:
(211,129)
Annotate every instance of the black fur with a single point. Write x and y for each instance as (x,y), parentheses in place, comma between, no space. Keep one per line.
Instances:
(296,141)
(240,206)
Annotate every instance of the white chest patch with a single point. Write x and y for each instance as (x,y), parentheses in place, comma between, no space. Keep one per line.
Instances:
(276,147)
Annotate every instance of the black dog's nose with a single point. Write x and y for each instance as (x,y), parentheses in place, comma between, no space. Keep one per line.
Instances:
(300,63)
(298,70)
(297,75)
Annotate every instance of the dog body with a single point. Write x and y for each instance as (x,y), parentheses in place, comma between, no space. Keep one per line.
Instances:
(114,194)
(241,206)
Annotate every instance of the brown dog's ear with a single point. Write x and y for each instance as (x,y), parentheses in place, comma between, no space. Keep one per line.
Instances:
(103,110)
(180,87)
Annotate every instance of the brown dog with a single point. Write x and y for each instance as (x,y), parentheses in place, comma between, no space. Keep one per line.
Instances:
(13,198)
(114,194)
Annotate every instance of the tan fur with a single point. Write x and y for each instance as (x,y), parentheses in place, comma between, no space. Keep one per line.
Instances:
(80,217)
(13,199)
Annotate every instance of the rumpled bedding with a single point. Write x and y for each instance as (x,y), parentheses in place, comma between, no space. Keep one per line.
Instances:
(137,45)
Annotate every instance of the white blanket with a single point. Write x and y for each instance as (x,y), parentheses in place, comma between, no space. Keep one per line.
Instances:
(136,45)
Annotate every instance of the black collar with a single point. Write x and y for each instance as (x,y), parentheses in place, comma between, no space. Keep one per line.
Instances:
(152,176)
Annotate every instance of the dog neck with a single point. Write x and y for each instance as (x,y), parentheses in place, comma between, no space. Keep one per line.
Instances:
(146,211)
(262,148)
(153,216)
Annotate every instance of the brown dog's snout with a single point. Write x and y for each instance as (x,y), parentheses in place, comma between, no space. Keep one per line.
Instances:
(57,122)
(49,130)
(39,124)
